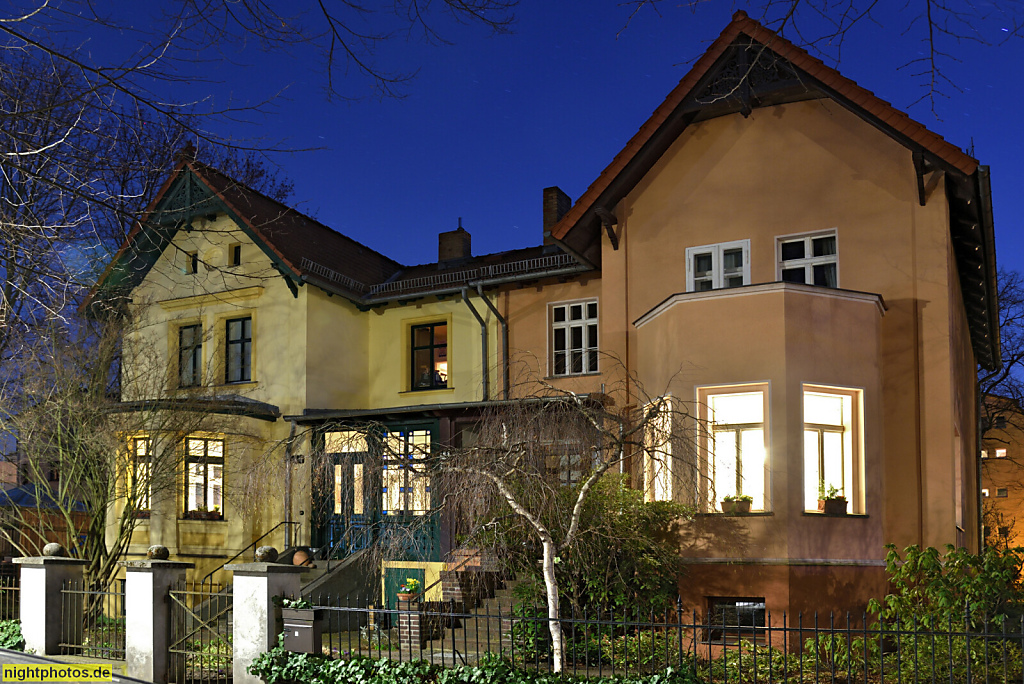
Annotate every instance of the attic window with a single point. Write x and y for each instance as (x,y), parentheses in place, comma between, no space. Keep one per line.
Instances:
(192,262)
(235,255)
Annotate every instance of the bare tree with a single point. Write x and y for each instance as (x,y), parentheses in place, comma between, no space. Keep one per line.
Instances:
(938,30)
(543,456)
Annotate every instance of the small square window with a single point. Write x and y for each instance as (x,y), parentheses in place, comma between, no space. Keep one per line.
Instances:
(1001,453)
(714,267)
(1002,493)
(809,259)
(984,453)
(984,492)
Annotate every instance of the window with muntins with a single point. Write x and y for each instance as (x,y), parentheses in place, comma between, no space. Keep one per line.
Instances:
(406,484)
(809,259)
(430,356)
(139,474)
(239,350)
(738,453)
(831,446)
(204,485)
(574,338)
(733,619)
(714,267)
(190,355)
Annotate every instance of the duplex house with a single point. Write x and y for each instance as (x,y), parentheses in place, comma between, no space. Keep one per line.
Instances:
(776,246)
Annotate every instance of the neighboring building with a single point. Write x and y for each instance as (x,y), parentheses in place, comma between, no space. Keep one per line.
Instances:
(775,244)
(1002,476)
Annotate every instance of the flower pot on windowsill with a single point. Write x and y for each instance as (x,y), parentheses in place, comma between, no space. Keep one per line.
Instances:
(736,507)
(835,506)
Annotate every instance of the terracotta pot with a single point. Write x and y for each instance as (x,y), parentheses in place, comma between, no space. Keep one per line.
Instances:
(832,506)
(407,597)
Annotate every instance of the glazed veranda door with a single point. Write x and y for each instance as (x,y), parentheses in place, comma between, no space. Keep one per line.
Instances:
(408,522)
(344,510)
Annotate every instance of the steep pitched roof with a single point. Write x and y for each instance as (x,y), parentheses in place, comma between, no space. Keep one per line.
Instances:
(300,246)
(742,25)
(723,81)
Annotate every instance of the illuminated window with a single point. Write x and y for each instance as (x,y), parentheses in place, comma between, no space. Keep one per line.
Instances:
(406,484)
(139,474)
(658,465)
(984,492)
(736,444)
(352,443)
(430,356)
(239,350)
(984,453)
(1001,453)
(190,355)
(714,267)
(574,338)
(832,446)
(810,259)
(204,486)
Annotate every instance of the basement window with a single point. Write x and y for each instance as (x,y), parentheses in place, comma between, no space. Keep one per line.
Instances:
(731,619)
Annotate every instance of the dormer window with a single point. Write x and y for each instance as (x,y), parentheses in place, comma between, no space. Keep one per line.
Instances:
(192,262)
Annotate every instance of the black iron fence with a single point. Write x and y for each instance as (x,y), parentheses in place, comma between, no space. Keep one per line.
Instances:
(93,620)
(202,626)
(723,646)
(10,598)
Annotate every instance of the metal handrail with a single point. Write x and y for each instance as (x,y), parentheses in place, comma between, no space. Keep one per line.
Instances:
(465,560)
(266,534)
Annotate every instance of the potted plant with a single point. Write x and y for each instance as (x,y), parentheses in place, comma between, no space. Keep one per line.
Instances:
(831,502)
(737,504)
(409,590)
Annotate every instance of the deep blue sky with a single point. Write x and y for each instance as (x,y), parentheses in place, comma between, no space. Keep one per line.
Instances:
(492,119)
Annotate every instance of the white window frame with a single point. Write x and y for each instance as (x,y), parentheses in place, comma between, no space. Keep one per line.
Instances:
(660,480)
(762,502)
(852,445)
(590,353)
(717,271)
(807,262)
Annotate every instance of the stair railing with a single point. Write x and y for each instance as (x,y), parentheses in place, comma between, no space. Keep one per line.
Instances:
(462,563)
(240,553)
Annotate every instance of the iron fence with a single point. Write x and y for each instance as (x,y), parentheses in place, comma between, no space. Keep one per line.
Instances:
(202,625)
(92,620)
(10,598)
(715,647)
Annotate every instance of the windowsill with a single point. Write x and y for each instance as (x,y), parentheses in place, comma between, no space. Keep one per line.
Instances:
(751,514)
(185,518)
(246,383)
(432,390)
(819,514)
(571,375)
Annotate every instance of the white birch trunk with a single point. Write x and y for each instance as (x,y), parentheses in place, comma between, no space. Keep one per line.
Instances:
(551,586)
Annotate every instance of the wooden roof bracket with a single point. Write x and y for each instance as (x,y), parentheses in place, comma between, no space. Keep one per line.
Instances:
(608,220)
(922,167)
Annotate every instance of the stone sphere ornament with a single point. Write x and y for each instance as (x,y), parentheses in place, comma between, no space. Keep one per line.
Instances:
(54,550)
(157,552)
(266,554)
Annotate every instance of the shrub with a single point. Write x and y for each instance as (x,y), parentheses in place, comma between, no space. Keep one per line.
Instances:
(10,635)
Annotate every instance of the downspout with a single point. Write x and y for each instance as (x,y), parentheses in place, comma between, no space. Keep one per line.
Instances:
(483,338)
(504,341)
(979,402)
(288,486)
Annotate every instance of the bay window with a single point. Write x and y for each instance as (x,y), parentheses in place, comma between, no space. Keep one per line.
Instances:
(736,443)
(832,446)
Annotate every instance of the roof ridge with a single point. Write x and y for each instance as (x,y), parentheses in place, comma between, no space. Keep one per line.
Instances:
(287,208)
(858,96)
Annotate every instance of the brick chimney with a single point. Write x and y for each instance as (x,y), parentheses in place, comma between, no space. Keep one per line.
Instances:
(455,244)
(556,205)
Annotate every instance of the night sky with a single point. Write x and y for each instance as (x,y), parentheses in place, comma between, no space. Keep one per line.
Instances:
(490,120)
